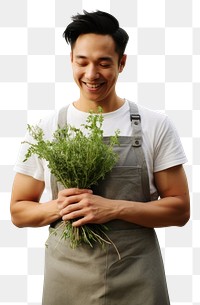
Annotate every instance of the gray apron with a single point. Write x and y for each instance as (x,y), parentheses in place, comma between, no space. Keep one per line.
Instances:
(93,276)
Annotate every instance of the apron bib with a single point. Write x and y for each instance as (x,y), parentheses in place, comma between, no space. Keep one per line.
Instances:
(93,276)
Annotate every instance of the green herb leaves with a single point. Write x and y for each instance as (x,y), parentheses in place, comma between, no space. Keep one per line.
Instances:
(77,158)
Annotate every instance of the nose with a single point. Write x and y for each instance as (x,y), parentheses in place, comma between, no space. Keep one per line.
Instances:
(91,72)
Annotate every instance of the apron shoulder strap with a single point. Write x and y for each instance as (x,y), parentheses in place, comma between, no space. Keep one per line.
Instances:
(62,116)
(136,124)
(137,144)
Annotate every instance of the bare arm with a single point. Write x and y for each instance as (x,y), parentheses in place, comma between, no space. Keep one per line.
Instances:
(26,211)
(173,209)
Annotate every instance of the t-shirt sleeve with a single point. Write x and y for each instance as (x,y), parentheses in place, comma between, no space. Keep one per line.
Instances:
(34,166)
(168,149)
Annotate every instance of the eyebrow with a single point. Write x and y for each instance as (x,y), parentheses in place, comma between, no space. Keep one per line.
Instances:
(106,58)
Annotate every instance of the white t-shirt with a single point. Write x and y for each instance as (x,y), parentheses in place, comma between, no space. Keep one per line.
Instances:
(161,143)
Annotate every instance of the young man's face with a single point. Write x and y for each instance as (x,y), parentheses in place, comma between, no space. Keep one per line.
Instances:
(96,66)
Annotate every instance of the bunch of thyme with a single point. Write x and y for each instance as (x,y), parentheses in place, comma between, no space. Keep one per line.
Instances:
(77,158)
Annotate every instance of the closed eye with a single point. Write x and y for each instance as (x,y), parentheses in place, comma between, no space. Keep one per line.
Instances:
(105,65)
(81,64)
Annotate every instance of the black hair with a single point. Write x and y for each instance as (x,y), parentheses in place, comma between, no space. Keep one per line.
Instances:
(98,23)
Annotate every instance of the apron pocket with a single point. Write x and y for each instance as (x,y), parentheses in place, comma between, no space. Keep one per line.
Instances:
(122,183)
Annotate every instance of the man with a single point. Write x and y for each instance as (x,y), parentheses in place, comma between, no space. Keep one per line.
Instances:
(147,188)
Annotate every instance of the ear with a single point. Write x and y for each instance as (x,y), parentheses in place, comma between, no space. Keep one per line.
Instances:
(122,63)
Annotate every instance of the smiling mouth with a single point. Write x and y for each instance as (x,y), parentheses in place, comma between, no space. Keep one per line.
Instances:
(93,86)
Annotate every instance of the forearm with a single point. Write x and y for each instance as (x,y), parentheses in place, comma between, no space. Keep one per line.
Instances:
(34,214)
(170,211)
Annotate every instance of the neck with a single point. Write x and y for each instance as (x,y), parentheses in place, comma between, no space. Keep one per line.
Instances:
(106,106)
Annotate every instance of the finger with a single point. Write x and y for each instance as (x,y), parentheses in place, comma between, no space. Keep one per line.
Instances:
(73,191)
(70,209)
(70,200)
(80,221)
(72,215)
(64,202)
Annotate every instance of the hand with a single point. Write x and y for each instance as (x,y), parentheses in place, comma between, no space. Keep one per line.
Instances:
(65,197)
(83,205)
